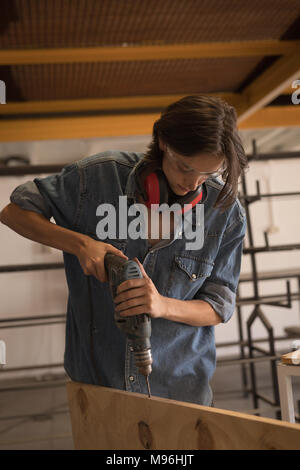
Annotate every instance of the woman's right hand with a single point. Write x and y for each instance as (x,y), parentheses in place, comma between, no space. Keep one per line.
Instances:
(91,257)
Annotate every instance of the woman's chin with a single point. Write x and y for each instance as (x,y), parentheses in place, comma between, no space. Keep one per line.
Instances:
(180,191)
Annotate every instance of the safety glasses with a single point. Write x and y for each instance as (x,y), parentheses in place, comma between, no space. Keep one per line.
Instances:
(184,168)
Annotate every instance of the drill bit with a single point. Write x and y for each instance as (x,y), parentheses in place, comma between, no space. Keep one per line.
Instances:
(148,385)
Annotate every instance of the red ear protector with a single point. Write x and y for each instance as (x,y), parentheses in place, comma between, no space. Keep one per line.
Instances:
(158,191)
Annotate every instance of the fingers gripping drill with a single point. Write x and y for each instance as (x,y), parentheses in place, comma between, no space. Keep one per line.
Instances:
(136,327)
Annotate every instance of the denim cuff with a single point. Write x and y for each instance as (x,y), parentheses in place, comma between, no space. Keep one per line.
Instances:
(220,297)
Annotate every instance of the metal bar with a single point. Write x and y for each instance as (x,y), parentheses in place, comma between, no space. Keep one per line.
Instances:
(51,412)
(260,196)
(26,325)
(252,366)
(262,249)
(266,276)
(42,366)
(242,350)
(272,156)
(45,384)
(249,360)
(245,343)
(40,317)
(267,400)
(29,169)
(38,169)
(30,267)
(250,238)
(261,350)
(266,299)
(258,410)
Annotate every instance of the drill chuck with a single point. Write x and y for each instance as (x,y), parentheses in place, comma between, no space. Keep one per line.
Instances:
(143,360)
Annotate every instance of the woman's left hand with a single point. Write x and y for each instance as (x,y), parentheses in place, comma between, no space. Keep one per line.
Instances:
(137,296)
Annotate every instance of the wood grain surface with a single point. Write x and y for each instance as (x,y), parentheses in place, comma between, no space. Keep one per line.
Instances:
(106,418)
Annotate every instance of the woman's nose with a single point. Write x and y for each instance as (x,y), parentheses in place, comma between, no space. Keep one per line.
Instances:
(192,185)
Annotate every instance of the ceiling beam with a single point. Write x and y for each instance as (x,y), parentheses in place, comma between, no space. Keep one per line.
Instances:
(102,104)
(273,116)
(270,84)
(152,52)
(14,130)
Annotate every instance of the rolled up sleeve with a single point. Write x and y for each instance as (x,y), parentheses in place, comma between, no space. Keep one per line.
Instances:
(219,290)
(55,196)
(28,197)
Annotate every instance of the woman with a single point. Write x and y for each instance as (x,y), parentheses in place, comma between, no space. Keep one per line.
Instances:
(186,291)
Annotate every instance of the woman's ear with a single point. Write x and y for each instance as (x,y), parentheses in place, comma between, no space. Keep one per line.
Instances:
(162,145)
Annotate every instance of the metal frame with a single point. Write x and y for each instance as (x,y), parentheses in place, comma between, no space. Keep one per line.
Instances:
(283,300)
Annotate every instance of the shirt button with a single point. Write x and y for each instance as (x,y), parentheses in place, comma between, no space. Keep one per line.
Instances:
(131,378)
(194,276)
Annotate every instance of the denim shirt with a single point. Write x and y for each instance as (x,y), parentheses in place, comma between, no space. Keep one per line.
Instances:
(96,351)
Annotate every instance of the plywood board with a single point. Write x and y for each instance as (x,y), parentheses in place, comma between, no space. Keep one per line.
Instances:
(110,419)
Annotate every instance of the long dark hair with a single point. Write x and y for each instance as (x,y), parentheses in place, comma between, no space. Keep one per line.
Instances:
(201,123)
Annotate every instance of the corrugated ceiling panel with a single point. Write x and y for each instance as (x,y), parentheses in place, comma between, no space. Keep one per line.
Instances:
(71,23)
(90,80)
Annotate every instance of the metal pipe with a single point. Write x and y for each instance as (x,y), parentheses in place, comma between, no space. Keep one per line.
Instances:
(42,366)
(56,168)
(258,340)
(29,169)
(40,317)
(250,232)
(30,267)
(26,325)
(261,196)
(249,360)
(266,299)
(266,276)
(263,249)
(267,400)
(259,157)
(261,350)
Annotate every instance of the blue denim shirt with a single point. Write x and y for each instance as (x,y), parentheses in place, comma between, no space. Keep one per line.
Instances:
(96,351)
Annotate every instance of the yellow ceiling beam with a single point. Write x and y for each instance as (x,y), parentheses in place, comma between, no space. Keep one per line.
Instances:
(154,52)
(290,90)
(102,104)
(76,127)
(273,116)
(270,84)
(123,125)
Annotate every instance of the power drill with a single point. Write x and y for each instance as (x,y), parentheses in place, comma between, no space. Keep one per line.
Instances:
(136,327)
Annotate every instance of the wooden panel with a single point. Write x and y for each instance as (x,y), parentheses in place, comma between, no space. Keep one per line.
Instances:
(105,418)
(162,52)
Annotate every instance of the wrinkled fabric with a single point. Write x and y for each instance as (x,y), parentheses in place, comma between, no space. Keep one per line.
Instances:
(96,351)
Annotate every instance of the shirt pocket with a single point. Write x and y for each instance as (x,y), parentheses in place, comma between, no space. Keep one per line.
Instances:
(188,273)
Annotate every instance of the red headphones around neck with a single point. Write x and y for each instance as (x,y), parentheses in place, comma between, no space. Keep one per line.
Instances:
(157,191)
